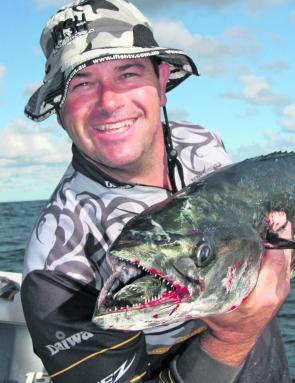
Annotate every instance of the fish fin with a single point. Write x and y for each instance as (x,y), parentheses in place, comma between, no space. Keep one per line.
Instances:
(274,155)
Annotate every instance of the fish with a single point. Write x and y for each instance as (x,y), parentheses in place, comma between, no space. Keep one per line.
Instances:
(198,253)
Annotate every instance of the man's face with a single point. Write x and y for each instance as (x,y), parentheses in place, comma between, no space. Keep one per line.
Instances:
(112,112)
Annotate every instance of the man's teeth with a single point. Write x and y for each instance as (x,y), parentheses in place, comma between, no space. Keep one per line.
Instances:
(116,126)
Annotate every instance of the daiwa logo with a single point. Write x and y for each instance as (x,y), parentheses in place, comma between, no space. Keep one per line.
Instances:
(109,185)
(68,343)
(116,375)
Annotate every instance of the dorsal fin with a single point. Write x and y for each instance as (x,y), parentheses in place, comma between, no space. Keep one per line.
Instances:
(274,155)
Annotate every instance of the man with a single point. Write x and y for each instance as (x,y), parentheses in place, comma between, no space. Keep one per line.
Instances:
(106,79)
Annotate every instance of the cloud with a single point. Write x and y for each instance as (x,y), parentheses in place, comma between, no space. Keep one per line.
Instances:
(276,66)
(154,7)
(254,6)
(293,16)
(2,70)
(288,118)
(274,141)
(256,90)
(36,182)
(178,114)
(33,157)
(31,88)
(214,69)
(25,144)
(212,51)
(46,3)
(235,41)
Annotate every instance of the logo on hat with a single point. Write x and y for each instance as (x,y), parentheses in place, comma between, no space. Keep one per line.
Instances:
(65,31)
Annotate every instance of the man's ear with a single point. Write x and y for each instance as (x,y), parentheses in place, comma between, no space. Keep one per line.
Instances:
(164,74)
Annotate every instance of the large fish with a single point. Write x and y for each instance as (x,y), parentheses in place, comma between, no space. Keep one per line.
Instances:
(199,252)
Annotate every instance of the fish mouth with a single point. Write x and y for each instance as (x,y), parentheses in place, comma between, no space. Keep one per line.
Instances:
(150,291)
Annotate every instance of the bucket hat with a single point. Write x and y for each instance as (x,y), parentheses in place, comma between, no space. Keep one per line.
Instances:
(87,32)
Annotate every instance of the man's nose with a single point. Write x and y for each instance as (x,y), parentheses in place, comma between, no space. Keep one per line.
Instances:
(109,99)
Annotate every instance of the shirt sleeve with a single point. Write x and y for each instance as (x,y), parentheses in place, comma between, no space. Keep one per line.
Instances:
(194,362)
(58,311)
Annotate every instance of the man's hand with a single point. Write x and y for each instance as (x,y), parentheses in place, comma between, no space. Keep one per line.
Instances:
(232,335)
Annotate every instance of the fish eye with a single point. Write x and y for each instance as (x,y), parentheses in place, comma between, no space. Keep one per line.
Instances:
(203,253)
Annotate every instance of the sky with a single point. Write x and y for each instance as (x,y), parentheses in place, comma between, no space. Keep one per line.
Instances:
(244,51)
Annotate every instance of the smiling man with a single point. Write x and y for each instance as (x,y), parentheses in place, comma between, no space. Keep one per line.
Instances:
(112,113)
(106,79)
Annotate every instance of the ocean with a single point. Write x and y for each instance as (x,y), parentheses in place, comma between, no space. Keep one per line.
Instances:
(17,220)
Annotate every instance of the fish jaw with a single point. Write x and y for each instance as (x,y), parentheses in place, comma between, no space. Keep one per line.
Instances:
(147,309)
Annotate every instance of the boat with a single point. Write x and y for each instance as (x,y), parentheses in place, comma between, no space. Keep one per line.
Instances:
(18,363)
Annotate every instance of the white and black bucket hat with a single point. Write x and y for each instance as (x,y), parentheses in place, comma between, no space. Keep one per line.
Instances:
(88,32)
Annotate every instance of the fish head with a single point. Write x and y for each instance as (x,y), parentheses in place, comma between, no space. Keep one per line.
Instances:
(180,276)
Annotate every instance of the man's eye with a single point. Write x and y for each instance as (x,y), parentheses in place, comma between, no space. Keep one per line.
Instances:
(83,84)
(80,85)
(128,74)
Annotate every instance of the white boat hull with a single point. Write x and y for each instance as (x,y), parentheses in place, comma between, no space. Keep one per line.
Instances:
(18,363)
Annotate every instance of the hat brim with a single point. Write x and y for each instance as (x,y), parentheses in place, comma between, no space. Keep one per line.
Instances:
(51,95)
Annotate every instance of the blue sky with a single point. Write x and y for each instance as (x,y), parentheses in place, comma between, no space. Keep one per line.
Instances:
(244,51)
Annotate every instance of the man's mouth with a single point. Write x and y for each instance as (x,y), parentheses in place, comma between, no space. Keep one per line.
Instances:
(115,127)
